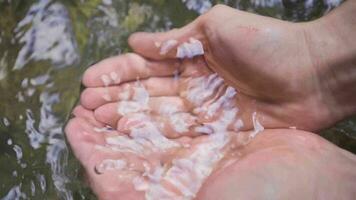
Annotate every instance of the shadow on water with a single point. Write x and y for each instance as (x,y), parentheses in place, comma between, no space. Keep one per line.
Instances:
(46,45)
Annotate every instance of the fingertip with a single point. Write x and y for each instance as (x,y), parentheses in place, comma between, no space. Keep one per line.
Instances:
(107,114)
(73,127)
(88,77)
(87,98)
(146,44)
(78,110)
(132,40)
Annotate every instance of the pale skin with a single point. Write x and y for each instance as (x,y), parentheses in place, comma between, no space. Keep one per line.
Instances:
(297,75)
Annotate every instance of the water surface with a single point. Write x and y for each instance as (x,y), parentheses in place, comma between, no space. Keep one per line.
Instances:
(45,45)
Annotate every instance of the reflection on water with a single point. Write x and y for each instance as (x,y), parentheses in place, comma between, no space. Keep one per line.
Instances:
(44,48)
(49,36)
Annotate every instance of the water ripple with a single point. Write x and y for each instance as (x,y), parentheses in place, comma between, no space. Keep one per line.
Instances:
(49,36)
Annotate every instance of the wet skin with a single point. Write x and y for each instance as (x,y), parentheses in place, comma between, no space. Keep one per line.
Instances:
(284,87)
(277,164)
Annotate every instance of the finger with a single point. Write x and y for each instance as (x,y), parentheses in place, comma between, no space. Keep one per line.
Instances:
(127,67)
(199,90)
(92,98)
(82,138)
(111,113)
(173,126)
(164,45)
(81,112)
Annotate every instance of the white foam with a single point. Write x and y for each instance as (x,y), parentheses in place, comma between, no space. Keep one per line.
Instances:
(102,129)
(140,94)
(168,109)
(190,49)
(188,174)
(201,88)
(107,96)
(125,144)
(105,79)
(127,107)
(256,125)
(140,184)
(224,101)
(181,121)
(222,123)
(110,164)
(148,133)
(238,125)
(125,93)
(167,46)
(114,77)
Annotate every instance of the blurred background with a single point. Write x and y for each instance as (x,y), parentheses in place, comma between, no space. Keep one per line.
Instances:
(45,45)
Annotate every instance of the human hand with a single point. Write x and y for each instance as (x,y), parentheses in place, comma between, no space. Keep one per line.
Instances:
(169,88)
(119,166)
(271,62)
(285,164)
(277,164)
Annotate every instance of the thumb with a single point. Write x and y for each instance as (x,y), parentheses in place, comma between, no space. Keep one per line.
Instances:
(188,40)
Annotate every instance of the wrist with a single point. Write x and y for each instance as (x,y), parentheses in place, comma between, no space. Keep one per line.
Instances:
(333,53)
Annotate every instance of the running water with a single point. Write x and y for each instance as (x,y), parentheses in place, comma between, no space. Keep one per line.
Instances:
(182,177)
(45,46)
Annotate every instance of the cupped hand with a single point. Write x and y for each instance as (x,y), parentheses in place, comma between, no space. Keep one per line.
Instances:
(277,164)
(267,60)
(183,98)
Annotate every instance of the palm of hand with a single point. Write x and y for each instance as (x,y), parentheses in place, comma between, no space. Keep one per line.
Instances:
(113,165)
(167,154)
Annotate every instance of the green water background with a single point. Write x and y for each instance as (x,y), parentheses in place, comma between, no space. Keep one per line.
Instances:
(44,48)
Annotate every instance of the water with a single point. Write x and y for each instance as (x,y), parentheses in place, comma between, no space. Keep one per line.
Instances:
(44,48)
